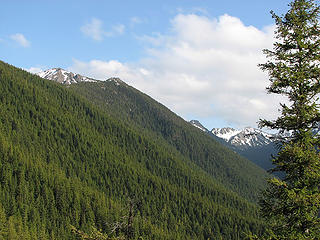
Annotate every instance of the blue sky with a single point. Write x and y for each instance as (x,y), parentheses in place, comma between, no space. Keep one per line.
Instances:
(156,46)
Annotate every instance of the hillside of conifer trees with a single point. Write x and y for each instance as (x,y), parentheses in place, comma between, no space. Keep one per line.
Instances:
(68,160)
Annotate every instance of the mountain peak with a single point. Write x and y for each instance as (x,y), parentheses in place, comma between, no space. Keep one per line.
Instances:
(225,133)
(247,137)
(197,124)
(63,76)
(116,80)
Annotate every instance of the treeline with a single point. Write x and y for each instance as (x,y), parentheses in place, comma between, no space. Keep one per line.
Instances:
(65,162)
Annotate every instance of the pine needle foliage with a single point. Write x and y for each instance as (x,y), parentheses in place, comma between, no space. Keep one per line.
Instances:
(291,205)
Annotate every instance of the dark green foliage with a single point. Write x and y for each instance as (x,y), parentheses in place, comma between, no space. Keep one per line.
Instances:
(147,116)
(65,162)
(291,206)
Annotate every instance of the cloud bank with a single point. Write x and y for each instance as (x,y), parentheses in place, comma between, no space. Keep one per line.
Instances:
(205,68)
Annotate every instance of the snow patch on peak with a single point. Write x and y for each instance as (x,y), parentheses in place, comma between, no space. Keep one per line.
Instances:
(245,138)
(197,124)
(62,76)
(225,133)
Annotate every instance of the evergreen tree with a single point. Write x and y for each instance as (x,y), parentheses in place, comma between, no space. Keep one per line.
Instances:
(291,205)
(12,233)
(3,223)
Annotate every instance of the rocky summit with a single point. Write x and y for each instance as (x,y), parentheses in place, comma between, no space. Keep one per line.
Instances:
(62,76)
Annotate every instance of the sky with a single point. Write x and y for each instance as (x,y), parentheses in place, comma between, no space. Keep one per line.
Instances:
(197,57)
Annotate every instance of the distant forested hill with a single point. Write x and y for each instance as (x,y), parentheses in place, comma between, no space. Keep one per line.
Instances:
(66,161)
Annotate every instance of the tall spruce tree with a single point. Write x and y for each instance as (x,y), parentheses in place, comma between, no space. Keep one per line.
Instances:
(291,205)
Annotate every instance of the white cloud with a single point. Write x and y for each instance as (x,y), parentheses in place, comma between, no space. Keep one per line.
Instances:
(20,39)
(193,10)
(205,68)
(34,70)
(134,21)
(118,29)
(94,30)
(102,70)
(156,39)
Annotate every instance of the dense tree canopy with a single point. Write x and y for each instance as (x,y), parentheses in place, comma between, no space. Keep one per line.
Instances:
(64,161)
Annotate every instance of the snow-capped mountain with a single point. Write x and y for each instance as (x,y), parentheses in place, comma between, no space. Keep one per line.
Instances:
(65,77)
(197,124)
(251,143)
(62,76)
(225,133)
(245,138)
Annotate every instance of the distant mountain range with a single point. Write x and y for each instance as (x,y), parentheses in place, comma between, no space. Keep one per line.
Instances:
(254,144)
(246,138)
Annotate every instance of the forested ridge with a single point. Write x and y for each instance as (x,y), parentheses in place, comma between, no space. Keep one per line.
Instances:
(144,114)
(64,161)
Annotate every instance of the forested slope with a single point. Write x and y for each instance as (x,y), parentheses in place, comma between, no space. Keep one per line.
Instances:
(64,161)
(150,117)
